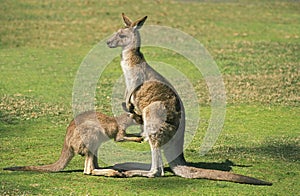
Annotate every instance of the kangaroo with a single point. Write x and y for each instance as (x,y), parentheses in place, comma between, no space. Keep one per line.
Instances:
(84,135)
(150,96)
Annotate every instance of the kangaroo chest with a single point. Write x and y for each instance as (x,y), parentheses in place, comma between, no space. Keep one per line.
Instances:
(134,76)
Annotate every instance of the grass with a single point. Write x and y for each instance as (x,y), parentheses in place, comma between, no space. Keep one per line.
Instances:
(256,45)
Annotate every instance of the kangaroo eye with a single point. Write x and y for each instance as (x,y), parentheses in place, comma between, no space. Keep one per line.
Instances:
(122,36)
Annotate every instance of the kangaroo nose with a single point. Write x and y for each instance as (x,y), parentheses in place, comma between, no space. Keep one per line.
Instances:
(110,43)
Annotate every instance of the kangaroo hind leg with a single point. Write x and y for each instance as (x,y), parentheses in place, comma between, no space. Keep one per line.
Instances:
(154,117)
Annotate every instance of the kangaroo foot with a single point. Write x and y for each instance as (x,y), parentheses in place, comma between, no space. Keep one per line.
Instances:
(107,173)
(149,174)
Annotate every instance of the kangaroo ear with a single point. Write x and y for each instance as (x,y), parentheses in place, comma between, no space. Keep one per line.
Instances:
(139,23)
(126,20)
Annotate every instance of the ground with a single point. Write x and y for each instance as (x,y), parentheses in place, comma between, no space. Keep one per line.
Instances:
(255,44)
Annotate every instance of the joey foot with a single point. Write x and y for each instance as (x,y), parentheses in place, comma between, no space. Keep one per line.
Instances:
(107,173)
(143,173)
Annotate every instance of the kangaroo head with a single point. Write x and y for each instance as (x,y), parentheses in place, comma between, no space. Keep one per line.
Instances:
(127,37)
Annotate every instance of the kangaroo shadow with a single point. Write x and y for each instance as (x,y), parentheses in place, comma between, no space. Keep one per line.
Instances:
(287,149)
(223,166)
(72,171)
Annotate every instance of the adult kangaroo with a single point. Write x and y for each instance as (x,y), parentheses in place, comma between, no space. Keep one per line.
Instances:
(151,96)
(84,135)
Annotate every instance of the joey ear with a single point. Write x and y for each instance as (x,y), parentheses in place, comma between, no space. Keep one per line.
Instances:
(126,20)
(139,23)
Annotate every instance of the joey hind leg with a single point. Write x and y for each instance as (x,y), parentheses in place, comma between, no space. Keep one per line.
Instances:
(97,171)
(91,162)
(95,160)
(91,167)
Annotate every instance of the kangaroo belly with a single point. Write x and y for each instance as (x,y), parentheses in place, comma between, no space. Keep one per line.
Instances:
(153,91)
(161,110)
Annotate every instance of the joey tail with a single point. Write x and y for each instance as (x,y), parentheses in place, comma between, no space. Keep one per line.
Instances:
(66,155)
(193,172)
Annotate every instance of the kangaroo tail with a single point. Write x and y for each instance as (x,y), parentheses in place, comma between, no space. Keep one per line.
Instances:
(193,172)
(66,155)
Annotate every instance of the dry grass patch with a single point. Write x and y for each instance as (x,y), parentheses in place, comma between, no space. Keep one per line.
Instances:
(19,107)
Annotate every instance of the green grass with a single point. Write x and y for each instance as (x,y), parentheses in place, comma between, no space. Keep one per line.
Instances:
(256,45)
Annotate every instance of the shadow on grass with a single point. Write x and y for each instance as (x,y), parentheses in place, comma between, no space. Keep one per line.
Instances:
(11,126)
(280,149)
(284,149)
(7,119)
(223,166)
